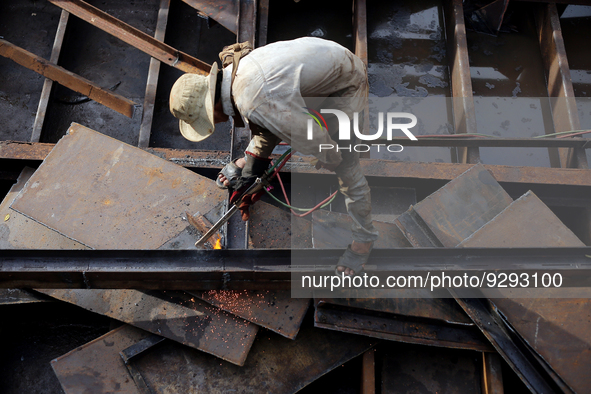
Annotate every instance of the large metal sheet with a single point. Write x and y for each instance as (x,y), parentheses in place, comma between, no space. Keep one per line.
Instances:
(275,310)
(172,315)
(275,365)
(333,230)
(270,227)
(418,369)
(399,328)
(97,367)
(526,223)
(19,232)
(462,206)
(107,194)
(558,329)
(442,309)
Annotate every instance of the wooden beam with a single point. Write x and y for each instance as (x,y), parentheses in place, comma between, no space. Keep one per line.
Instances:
(461,82)
(368,373)
(152,82)
(560,87)
(48,83)
(66,78)
(134,37)
(11,150)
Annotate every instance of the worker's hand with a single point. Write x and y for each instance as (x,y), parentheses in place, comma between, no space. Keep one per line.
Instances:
(247,201)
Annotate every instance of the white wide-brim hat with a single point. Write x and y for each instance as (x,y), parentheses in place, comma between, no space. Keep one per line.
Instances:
(191,101)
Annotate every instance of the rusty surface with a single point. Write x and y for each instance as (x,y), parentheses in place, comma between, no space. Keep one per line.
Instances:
(20,232)
(96,367)
(274,310)
(173,315)
(462,206)
(560,87)
(140,40)
(68,79)
(442,309)
(399,328)
(20,296)
(557,329)
(224,12)
(107,194)
(527,222)
(270,227)
(464,114)
(417,369)
(333,230)
(275,364)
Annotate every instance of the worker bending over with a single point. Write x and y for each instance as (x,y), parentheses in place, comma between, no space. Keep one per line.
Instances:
(266,87)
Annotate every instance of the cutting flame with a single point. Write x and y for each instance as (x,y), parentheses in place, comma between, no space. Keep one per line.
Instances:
(218,244)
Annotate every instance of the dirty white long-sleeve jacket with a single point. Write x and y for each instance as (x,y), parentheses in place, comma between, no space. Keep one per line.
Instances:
(272,82)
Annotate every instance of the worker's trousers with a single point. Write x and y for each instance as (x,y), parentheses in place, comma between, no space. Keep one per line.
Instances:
(352,184)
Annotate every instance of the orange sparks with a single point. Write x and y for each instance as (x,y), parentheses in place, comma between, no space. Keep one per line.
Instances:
(218,244)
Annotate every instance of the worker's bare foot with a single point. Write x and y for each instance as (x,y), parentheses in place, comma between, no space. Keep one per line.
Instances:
(239,163)
(357,247)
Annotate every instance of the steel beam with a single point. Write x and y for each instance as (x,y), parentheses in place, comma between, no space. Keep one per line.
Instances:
(560,87)
(134,37)
(64,77)
(48,83)
(461,83)
(259,269)
(152,82)
(263,22)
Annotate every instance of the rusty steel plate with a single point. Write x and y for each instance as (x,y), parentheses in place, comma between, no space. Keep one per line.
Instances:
(20,296)
(176,316)
(275,364)
(526,223)
(419,369)
(270,227)
(443,309)
(559,330)
(462,206)
(332,230)
(106,194)
(20,232)
(97,367)
(275,310)
(399,328)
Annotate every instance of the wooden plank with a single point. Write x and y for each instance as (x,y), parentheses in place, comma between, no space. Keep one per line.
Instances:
(48,83)
(134,37)
(368,373)
(560,87)
(152,82)
(64,77)
(461,83)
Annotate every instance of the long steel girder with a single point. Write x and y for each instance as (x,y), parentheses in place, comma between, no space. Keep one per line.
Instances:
(262,269)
